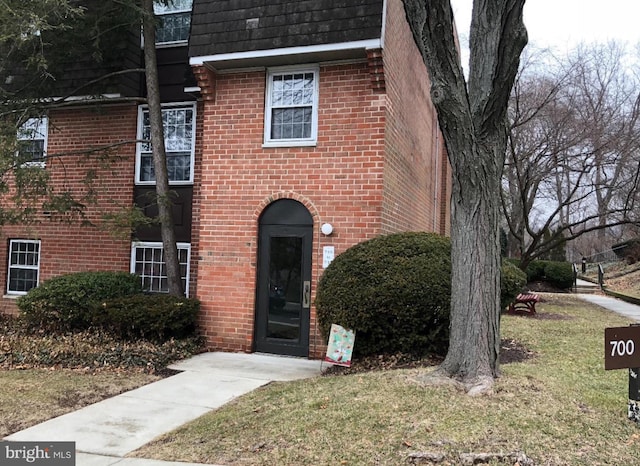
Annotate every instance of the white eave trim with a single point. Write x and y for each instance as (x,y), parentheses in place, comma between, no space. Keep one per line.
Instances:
(77,98)
(360,44)
(384,23)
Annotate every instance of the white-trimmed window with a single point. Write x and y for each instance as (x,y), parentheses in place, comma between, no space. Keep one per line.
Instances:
(174,22)
(147,261)
(24,266)
(32,141)
(179,139)
(291,115)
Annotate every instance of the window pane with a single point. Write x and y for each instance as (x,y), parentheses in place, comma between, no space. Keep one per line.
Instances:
(179,167)
(31,151)
(174,5)
(151,267)
(178,138)
(291,123)
(22,280)
(173,27)
(147,172)
(32,140)
(292,99)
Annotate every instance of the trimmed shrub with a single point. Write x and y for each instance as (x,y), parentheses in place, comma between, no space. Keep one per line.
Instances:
(513,280)
(559,274)
(535,270)
(157,317)
(68,302)
(555,273)
(91,349)
(393,290)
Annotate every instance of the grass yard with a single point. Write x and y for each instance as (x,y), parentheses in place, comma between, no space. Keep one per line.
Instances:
(43,375)
(560,408)
(31,396)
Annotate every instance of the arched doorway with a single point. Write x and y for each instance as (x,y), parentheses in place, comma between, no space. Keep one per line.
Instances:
(283,289)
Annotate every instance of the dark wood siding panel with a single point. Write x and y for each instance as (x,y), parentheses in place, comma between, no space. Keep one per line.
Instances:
(174,74)
(222,27)
(182,212)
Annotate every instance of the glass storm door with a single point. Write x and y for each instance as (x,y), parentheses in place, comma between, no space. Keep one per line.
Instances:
(283,296)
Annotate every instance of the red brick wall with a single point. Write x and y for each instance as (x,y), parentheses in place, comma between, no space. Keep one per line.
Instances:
(67,246)
(197,202)
(417,185)
(378,167)
(339,181)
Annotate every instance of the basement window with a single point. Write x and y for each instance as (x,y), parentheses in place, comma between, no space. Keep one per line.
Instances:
(147,261)
(24,266)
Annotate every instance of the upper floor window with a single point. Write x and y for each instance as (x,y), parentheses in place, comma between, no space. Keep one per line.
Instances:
(32,141)
(179,139)
(291,117)
(174,21)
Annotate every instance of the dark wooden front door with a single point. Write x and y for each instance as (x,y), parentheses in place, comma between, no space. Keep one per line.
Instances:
(283,292)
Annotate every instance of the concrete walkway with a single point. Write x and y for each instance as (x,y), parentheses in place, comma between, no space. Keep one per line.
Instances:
(107,431)
(580,283)
(629,310)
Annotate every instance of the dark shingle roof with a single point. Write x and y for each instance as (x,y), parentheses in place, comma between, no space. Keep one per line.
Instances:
(231,26)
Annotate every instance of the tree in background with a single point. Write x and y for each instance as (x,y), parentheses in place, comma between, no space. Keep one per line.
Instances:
(572,164)
(473,119)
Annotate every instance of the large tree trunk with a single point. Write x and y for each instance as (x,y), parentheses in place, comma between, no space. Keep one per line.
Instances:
(163,194)
(475,263)
(474,126)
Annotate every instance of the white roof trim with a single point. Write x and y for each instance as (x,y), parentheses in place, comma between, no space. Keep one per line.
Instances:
(74,98)
(360,44)
(384,23)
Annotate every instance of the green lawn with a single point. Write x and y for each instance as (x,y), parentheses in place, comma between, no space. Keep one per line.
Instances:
(559,408)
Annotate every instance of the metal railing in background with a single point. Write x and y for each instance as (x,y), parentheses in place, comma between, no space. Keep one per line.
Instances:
(600,276)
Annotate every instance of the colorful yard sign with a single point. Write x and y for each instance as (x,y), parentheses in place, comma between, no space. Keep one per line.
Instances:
(340,346)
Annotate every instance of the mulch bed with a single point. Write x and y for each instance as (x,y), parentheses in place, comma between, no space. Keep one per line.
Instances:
(510,351)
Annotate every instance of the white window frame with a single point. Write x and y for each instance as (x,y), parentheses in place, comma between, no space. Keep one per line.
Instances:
(160,10)
(22,266)
(296,142)
(158,245)
(35,129)
(139,151)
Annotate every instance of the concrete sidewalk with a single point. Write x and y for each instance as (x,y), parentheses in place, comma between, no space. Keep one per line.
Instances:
(107,431)
(629,310)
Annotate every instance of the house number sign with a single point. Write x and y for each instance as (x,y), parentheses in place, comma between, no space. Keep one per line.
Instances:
(622,351)
(622,347)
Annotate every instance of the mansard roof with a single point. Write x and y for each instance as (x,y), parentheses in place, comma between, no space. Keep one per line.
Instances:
(222,27)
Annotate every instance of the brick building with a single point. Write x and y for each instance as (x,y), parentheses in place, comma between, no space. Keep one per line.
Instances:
(294,130)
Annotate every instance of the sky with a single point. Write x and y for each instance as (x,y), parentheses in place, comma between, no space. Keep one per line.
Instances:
(562,24)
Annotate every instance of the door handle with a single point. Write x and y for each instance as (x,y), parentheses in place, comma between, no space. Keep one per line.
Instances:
(306,294)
